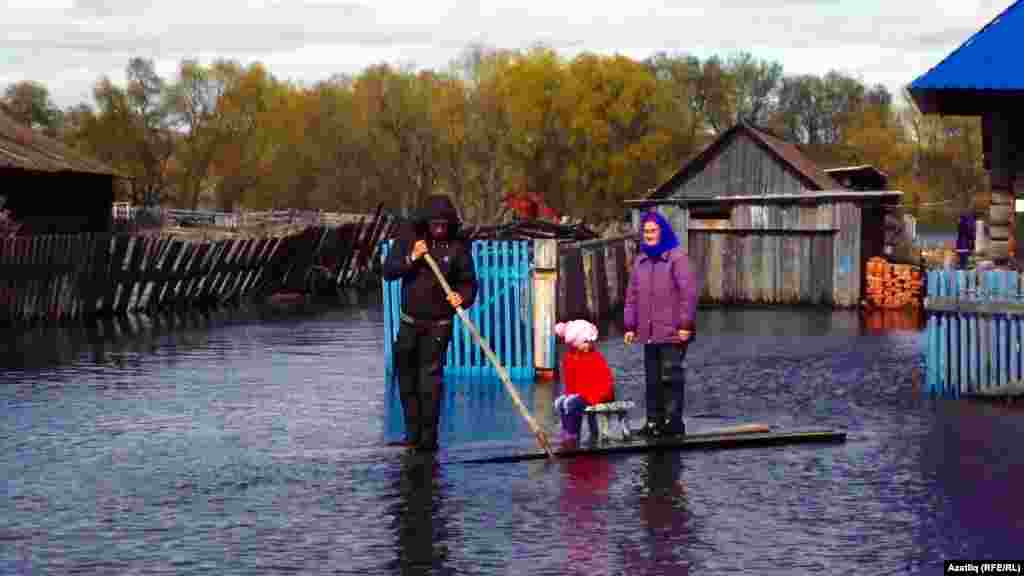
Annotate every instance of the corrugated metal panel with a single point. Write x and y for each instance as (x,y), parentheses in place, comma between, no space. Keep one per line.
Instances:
(988,60)
(24,148)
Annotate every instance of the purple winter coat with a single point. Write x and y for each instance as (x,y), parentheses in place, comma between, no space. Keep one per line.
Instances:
(661,298)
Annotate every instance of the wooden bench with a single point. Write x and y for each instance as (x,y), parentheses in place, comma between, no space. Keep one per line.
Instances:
(599,416)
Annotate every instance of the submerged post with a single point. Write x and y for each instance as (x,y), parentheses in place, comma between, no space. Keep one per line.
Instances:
(545,280)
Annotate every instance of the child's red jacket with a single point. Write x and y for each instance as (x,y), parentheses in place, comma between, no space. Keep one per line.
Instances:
(588,374)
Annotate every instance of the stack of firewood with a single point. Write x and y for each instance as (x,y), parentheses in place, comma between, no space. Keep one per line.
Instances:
(893,285)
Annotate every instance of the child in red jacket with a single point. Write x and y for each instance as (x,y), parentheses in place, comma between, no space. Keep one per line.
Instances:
(586,377)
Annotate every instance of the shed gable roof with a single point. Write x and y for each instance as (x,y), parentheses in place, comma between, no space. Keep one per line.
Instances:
(788,154)
(24,148)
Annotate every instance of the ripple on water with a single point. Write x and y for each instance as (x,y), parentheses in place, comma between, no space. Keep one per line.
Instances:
(248,447)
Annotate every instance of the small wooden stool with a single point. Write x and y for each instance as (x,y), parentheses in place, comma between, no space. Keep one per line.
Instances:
(598,417)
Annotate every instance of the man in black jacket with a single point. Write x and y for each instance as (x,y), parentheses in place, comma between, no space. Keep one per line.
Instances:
(427,314)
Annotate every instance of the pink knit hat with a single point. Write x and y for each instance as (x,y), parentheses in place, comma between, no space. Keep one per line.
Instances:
(576,332)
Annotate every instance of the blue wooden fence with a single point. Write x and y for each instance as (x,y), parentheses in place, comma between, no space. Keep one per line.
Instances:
(975,331)
(502,313)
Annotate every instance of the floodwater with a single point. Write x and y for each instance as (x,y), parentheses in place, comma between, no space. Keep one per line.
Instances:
(254,444)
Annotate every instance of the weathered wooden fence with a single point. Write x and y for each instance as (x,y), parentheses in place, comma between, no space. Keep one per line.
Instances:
(592,278)
(975,332)
(71,276)
(734,266)
(502,313)
(763,266)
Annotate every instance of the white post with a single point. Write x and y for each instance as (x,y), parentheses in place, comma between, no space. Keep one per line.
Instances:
(545,295)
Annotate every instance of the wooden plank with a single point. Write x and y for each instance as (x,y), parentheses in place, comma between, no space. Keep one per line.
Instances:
(508,288)
(135,257)
(574,285)
(778,256)
(730,268)
(26,284)
(233,269)
(64,255)
(621,274)
(229,268)
(261,247)
(714,274)
(601,284)
(254,288)
(44,277)
(954,343)
(589,285)
(63,263)
(164,273)
(17,276)
(242,268)
(753,248)
(151,268)
(707,441)
(203,276)
(984,336)
(86,290)
(741,267)
(116,289)
(215,270)
(176,276)
(248,265)
(1013,330)
(5,279)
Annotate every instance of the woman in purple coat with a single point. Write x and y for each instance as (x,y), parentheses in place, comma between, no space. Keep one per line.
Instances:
(660,312)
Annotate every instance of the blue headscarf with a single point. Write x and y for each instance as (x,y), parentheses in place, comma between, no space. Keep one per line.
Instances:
(668,238)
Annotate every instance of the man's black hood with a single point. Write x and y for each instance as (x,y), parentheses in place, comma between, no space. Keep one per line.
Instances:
(438,207)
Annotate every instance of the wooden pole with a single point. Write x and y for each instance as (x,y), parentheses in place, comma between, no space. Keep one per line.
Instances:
(542,438)
(545,294)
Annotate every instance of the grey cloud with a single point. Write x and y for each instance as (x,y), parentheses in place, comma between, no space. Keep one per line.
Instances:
(108,8)
(228,30)
(945,38)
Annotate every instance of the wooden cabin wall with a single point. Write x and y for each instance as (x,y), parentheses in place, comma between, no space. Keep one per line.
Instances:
(783,266)
(742,168)
(847,253)
(747,266)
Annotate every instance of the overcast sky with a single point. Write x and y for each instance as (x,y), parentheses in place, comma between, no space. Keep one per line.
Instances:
(68,45)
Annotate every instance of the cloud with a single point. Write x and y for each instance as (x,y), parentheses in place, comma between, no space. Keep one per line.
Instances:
(108,8)
(69,45)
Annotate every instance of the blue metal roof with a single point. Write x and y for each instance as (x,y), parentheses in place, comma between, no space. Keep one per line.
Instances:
(988,60)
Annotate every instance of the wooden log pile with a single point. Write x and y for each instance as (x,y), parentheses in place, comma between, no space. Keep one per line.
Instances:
(893,285)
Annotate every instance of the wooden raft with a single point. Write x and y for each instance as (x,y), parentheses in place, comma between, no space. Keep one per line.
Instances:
(742,436)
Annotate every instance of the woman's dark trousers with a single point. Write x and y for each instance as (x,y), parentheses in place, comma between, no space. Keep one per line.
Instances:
(419,356)
(666,386)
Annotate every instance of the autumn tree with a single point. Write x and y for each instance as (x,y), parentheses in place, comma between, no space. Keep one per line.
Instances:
(29,102)
(129,129)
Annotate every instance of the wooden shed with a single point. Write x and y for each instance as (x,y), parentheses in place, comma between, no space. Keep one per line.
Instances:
(49,188)
(765,224)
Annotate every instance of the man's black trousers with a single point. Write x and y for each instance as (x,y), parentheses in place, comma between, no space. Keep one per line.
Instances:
(419,357)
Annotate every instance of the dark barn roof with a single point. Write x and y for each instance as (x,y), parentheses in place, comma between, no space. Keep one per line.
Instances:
(864,177)
(813,177)
(25,149)
(986,65)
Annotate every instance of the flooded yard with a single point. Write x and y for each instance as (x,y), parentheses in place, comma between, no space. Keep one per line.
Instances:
(254,444)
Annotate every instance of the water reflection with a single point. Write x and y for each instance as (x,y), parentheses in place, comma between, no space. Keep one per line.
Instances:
(419,518)
(473,410)
(880,321)
(236,444)
(666,518)
(583,511)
